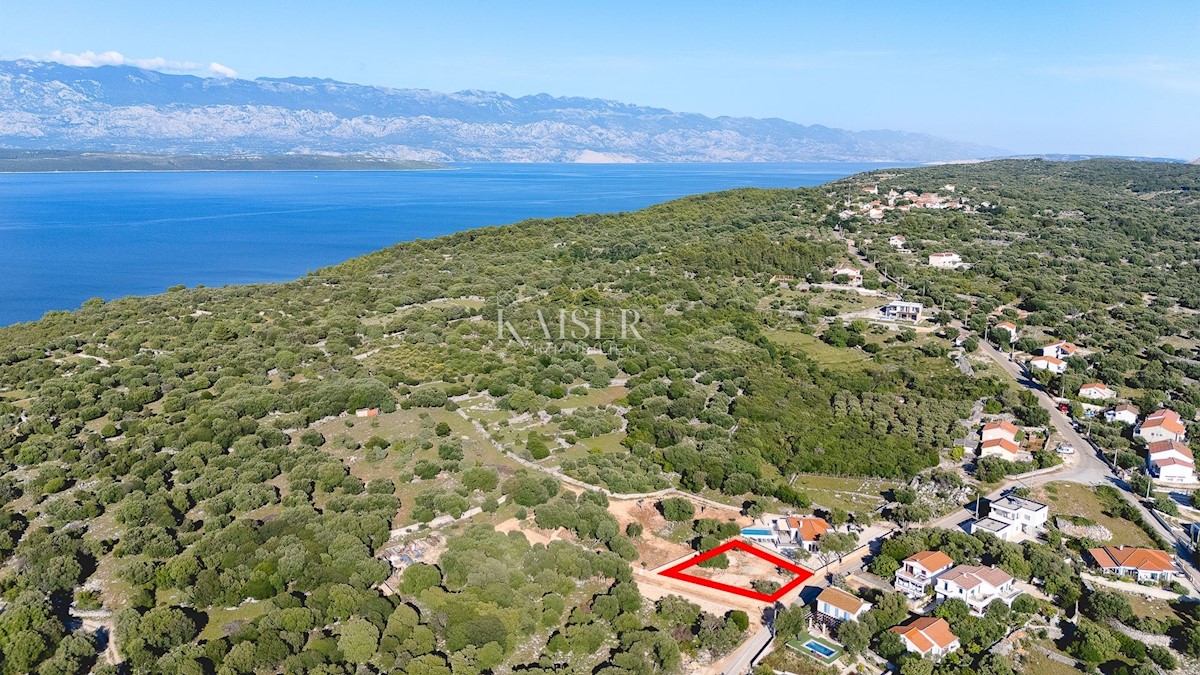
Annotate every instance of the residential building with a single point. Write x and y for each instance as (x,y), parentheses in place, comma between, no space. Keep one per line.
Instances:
(927,636)
(918,571)
(1125,414)
(899,310)
(945,260)
(898,241)
(999,447)
(1162,425)
(875,214)
(1096,391)
(835,606)
(1011,516)
(999,429)
(1171,462)
(1011,328)
(1059,350)
(872,189)
(794,532)
(853,275)
(977,586)
(1050,363)
(1144,564)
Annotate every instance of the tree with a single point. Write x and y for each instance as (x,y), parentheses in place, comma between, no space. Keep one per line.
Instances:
(677,509)
(739,619)
(358,641)
(854,637)
(791,621)
(837,543)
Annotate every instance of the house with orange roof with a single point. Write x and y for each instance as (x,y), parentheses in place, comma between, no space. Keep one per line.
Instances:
(999,447)
(792,532)
(1162,425)
(1011,328)
(919,570)
(977,586)
(1059,350)
(1144,564)
(1096,391)
(835,606)
(1050,363)
(927,636)
(853,275)
(945,260)
(999,439)
(1170,462)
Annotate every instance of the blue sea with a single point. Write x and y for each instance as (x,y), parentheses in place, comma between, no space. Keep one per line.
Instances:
(67,237)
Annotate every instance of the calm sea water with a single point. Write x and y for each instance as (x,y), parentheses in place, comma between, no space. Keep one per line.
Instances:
(65,238)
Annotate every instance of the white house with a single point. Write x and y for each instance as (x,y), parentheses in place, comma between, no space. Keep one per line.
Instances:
(836,606)
(1010,516)
(1171,462)
(918,572)
(999,447)
(853,275)
(898,310)
(875,214)
(782,533)
(1059,350)
(927,636)
(1162,425)
(1096,391)
(1011,328)
(897,241)
(977,586)
(1125,414)
(1128,561)
(945,260)
(1050,363)
(999,429)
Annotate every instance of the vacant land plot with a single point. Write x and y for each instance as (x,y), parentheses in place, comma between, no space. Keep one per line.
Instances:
(222,622)
(1067,499)
(1152,608)
(854,495)
(825,355)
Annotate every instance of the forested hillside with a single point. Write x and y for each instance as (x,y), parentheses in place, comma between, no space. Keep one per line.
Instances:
(193,462)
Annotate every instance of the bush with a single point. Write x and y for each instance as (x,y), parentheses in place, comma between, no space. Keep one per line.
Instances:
(677,509)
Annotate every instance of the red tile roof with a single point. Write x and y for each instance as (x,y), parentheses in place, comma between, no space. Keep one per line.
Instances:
(925,632)
(1167,419)
(930,560)
(1143,559)
(1167,446)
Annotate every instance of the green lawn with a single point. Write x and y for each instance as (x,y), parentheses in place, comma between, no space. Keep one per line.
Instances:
(803,638)
(220,617)
(826,355)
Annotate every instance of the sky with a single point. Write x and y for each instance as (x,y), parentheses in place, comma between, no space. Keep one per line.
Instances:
(1071,77)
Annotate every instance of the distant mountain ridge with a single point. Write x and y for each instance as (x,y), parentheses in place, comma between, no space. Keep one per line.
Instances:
(128,109)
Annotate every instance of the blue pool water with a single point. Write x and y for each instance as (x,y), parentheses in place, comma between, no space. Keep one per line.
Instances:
(756,532)
(68,237)
(819,649)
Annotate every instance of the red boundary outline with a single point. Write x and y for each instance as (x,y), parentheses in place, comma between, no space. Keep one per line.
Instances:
(802,575)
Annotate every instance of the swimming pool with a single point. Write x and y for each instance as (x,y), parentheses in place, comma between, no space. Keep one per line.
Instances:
(819,649)
(756,532)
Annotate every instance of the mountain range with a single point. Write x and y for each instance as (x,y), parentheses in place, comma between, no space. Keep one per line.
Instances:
(127,109)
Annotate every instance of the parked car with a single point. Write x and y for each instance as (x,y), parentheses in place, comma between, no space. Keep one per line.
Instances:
(1065,450)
